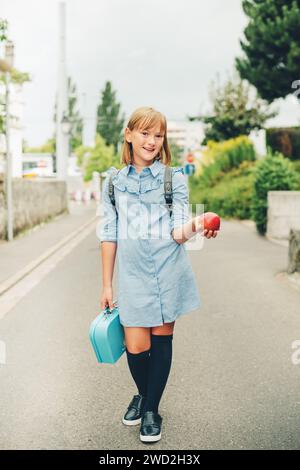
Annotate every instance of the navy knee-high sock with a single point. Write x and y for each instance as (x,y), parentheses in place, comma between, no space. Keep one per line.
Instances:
(159,369)
(138,366)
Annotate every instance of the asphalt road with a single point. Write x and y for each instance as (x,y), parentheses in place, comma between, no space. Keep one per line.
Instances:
(232,384)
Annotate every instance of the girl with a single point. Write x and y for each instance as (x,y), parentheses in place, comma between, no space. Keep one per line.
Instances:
(155,279)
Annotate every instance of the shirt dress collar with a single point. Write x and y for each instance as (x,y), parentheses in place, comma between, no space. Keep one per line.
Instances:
(154,168)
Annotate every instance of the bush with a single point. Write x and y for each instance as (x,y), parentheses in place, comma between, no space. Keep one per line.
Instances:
(98,158)
(230,197)
(296,165)
(274,172)
(221,157)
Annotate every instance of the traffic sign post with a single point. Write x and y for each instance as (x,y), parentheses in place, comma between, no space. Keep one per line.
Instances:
(190,158)
(189,169)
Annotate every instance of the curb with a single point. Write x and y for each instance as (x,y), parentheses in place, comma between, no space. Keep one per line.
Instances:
(251,225)
(15,278)
(278,241)
(247,222)
(294,279)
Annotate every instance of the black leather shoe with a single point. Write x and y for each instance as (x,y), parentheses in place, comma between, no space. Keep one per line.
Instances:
(134,410)
(150,427)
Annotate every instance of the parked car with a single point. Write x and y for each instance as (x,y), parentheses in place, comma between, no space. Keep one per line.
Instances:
(32,172)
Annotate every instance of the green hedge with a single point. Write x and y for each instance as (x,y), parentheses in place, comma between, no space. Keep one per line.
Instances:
(231,197)
(242,192)
(296,165)
(221,157)
(273,173)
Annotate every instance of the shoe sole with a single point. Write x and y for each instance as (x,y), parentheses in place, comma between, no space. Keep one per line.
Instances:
(150,438)
(131,422)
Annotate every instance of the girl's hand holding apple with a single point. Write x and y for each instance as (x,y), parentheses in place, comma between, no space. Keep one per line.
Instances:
(209,223)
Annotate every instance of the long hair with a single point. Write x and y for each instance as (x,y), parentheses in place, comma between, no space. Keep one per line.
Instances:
(146,118)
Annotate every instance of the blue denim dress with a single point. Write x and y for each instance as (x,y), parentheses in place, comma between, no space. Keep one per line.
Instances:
(156,283)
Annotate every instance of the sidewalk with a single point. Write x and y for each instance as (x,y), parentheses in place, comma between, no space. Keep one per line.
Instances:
(28,247)
(293,278)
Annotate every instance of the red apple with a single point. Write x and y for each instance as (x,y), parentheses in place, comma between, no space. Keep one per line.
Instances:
(211,221)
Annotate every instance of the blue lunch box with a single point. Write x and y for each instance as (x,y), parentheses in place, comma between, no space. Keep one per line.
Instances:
(107,336)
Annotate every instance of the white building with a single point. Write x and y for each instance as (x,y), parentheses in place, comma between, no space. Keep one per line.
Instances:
(186,134)
(258,139)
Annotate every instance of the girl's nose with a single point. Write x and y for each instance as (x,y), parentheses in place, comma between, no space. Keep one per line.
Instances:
(151,140)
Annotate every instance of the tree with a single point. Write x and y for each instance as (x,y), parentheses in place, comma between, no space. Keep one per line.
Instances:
(15,75)
(176,152)
(271,46)
(98,158)
(47,147)
(73,116)
(3,30)
(109,123)
(237,110)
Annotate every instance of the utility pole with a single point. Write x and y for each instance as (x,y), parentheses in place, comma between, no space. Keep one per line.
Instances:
(62,136)
(186,150)
(9,59)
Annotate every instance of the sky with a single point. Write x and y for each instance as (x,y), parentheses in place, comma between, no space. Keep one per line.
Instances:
(158,53)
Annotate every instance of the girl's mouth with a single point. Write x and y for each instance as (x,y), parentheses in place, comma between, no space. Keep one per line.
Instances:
(150,151)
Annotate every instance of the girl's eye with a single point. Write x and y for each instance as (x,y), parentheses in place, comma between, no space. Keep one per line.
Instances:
(159,136)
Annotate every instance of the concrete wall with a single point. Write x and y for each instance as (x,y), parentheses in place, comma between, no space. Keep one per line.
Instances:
(283,213)
(34,201)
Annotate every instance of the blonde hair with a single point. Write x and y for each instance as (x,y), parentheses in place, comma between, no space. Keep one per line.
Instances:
(146,118)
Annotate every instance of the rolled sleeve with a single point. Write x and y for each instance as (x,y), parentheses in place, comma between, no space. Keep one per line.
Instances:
(180,212)
(107,228)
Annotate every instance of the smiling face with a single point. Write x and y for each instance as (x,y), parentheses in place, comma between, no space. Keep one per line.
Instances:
(146,143)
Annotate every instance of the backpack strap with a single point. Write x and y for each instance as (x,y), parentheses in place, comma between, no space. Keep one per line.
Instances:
(111,191)
(168,188)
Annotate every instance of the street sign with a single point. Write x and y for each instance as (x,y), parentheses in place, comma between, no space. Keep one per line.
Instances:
(190,169)
(190,158)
